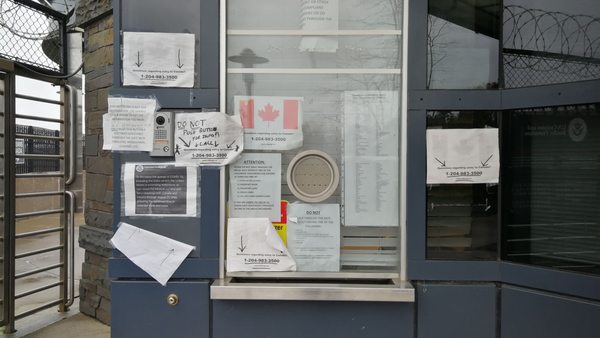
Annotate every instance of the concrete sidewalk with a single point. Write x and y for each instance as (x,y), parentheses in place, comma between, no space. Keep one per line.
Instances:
(51,323)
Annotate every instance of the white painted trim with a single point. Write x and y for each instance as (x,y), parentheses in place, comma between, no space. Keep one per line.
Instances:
(312,71)
(403,145)
(299,32)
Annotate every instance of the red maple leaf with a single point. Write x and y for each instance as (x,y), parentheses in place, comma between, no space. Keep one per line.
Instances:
(268,114)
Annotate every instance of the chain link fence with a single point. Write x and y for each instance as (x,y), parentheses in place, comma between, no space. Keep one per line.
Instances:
(37,147)
(33,35)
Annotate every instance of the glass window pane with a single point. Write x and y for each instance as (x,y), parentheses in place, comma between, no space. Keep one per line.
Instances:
(462,219)
(463,44)
(347,85)
(550,41)
(552,190)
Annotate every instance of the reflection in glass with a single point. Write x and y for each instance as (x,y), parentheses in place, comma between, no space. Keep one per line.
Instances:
(550,41)
(462,44)
(552,188)
(462,218)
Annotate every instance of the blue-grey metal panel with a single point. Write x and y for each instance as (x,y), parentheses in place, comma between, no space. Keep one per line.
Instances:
(415,186)
(140,309)
(417,45)
(302,319)
(565,282)
(454,270)
(178,16)
(455,99)
(532,314)
(456,311)
(201,232)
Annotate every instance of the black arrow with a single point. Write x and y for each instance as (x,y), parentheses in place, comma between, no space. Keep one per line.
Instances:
(486,161)
(242,247)
(231,145)
(179,64)
(442,163)
(138,63)
(185,143)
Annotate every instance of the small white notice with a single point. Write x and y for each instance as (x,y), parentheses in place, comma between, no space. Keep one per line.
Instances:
(319,15)
(270,122)
(158,255)
(158,59)
(254,245)
(130,124)
(255,186)
(371,158)
(211,138)
(462,156)
(152,189)
(314,236)
(106,132)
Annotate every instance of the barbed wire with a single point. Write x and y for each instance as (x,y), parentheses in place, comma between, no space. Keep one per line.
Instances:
(543,47)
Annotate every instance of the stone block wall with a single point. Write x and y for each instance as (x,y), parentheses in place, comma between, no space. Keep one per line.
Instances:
(95,17)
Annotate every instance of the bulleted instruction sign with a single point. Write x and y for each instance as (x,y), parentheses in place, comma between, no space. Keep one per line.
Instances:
(160,190)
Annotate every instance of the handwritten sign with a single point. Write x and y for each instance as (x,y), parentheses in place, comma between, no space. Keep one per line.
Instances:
(211,139)
(462,156)
(158,59)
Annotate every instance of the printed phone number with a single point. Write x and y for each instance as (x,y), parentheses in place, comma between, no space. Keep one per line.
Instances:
(261,260)
(210,155)
(158,77)
(271,139)
(464,173)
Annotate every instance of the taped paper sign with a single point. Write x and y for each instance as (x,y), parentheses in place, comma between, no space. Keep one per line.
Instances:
(319,15)
(314,236)
(160,190)
(158,255)
(254,245)
(106,132)
(255,186)
(371,158)
(270,122)
(130,124)
(462,156)
(207,138)
(158,59)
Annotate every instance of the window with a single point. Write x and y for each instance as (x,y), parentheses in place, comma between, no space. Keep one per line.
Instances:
(552,188)
(323,77)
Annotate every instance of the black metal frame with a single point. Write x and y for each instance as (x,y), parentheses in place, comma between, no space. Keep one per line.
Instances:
(420,100)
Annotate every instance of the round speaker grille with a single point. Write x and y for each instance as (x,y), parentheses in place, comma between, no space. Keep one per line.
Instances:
(312,176)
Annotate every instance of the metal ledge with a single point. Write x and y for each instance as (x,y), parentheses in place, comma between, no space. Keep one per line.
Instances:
(392,290)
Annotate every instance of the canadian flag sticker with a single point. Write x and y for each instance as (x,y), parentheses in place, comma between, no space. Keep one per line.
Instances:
(270,122)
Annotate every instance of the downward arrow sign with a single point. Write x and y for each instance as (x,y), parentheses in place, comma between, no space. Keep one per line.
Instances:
(187,145)
(179,64)
(138,63)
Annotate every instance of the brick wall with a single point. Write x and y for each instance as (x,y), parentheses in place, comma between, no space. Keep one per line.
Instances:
(95,17)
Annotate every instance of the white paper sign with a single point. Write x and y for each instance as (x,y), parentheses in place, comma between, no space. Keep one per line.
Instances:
(208,138)
(254,245)
(131,123)
(158,59)
(270,122)
(313,236)
(158,255)
(319,15)
(255,186)
(106,132)
(152,189)
(371,158)
(462,156)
